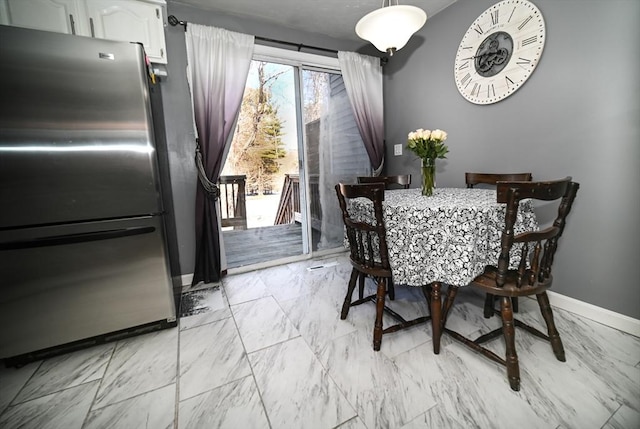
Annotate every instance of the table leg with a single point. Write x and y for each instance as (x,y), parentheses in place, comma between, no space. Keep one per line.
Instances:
(436,316)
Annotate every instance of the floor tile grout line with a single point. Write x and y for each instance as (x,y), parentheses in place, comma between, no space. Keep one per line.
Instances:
(10,403)
(95,396)
(253,375)
(317,358)
(176,415)
(315,355)
(611,417)
(326,370)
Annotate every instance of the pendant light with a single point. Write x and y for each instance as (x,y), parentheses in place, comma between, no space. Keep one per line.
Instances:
(389,28)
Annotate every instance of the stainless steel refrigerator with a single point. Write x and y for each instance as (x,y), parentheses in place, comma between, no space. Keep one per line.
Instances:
(82,243)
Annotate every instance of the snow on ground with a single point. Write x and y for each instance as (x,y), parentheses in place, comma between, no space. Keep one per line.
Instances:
(261,210)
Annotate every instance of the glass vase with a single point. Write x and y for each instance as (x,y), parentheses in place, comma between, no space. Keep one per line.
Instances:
(428,176)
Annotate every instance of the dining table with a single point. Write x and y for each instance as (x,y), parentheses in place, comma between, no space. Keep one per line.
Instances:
(446,238)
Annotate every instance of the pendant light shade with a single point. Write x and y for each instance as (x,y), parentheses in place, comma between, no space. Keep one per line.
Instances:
(389,28)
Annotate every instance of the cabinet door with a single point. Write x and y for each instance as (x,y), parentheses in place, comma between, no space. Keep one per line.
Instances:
(60,16)
(131,21)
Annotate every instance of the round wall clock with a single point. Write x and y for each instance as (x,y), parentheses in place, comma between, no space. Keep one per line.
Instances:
(499,51)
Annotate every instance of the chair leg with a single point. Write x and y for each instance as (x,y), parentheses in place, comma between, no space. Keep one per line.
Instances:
(488,306)
(362,278)
(452,292)
(508,329)
(347,299)
(391,290)
(377,328)
(554,335)
(426,291)
(436,316)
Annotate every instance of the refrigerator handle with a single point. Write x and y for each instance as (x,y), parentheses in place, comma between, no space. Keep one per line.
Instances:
(93,33)
(58,240)
(73,24)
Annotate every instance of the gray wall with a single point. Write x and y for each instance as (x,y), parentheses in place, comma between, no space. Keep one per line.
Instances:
(578,114)
(178,110)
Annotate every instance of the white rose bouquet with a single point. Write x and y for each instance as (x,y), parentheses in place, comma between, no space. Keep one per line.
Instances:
(428,144)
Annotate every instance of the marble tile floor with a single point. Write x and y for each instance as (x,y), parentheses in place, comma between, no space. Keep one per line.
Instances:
(268,350)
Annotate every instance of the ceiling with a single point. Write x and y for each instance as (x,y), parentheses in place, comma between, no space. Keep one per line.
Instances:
(334,18)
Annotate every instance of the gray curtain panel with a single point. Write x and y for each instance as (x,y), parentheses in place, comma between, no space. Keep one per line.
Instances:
(362,76)
(218,66)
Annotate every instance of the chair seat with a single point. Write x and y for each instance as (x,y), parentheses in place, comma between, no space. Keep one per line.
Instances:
(375,270)
(487,282)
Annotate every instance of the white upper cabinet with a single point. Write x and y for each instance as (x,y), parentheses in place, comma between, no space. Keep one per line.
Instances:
(61,16)
(129,21)
(123,20)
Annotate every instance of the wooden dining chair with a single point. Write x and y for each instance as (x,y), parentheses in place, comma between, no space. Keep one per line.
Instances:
(536,251)
(400,181)
(369,256)
(472,179)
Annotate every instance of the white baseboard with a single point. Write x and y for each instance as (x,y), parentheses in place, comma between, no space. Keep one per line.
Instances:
(597,314)
(186,279)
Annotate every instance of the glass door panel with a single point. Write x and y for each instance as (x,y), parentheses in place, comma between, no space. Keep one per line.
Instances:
(264,159)
(334,151)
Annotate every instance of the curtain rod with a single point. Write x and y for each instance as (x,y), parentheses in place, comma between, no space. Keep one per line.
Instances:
(174,21)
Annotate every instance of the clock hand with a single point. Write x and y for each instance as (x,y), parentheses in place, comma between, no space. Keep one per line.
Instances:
(486,54)
(477,56)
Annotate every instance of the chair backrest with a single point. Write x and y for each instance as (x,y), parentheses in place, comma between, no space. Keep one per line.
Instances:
(365,231)
(472,179)
(402,180)
(538,247)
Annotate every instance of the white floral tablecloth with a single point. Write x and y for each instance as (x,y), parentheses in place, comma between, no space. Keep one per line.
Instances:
(448,237)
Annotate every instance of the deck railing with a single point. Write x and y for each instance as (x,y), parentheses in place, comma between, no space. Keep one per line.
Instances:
(289,206)
(233,201)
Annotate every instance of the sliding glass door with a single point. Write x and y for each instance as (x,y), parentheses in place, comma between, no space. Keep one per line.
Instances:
(295,139)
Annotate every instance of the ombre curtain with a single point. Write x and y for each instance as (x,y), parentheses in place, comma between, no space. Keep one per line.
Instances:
(362,76)
(218,66)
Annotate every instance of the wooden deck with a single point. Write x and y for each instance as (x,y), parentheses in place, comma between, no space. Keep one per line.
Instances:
(255,245)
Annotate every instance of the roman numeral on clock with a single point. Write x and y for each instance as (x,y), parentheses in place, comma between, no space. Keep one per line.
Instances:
(523,23)
(479,29)
(509,81)
(466,79)
(529,40)
(476,89)
(491,91)
(494,17)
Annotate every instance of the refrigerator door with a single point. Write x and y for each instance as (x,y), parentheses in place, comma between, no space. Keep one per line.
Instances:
(76,135)
(72,282)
